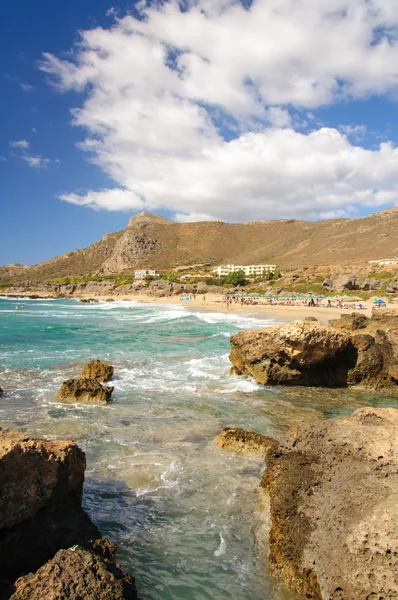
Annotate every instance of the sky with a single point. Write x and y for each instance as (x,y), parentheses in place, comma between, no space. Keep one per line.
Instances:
(238,110)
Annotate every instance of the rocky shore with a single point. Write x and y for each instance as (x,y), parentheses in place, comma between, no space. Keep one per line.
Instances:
(332,488)
(354,351)
(41,516)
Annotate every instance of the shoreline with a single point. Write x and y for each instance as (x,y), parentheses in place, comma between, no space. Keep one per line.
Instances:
(213,303)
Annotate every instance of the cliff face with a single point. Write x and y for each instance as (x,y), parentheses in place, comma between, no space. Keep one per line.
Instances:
(153,241)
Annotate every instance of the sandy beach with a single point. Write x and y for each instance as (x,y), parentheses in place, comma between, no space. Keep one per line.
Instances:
(214,303)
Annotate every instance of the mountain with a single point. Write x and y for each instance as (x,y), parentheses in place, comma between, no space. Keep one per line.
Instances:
(153,241)
(12,270)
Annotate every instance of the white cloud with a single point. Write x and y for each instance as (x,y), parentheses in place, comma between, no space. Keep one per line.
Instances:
(36,162)
(162,93)
(20,144)
(106,199)
(27,87)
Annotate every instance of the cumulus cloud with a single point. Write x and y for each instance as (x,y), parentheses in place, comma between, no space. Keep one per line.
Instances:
(107,199)
(189,109)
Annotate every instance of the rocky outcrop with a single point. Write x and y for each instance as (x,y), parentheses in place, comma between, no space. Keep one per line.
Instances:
(76,574)
(351,282)
(41,486)
(298,353)
(334,516)
(244,442)
(98,370)
(313,354)
(88,391)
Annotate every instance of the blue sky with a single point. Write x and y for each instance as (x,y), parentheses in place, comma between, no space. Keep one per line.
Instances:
(211,109)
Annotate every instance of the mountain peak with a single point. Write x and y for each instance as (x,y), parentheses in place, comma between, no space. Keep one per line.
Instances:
(146,217)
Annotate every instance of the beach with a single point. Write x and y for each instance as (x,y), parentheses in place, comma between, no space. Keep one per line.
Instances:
(214,303)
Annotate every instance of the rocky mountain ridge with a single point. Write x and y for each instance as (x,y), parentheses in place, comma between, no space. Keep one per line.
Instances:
(153,241)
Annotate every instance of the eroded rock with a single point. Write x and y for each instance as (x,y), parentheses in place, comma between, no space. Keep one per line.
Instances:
(41,486)
(333,487)
(355,351)
(297,353)
(75,574)
(244,442)
(98,370)
(88,391)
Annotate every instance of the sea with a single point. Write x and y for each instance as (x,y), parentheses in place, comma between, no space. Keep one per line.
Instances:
(188,517)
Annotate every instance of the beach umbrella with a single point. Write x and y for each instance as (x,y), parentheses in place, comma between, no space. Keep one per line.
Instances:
(379,301)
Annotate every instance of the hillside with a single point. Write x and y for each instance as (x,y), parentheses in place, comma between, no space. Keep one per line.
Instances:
(153,241)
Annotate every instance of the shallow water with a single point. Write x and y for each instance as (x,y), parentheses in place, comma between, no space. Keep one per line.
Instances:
(186,515)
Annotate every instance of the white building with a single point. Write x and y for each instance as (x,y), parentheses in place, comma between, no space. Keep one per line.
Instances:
(385,261)
(249,270)
(142,273)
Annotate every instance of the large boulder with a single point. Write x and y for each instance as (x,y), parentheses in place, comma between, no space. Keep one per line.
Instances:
(356,351)
(41,486)
(333,492)
(297,353)
(345,282)
(88,391)
(244,442)
(97,370)
(75,574)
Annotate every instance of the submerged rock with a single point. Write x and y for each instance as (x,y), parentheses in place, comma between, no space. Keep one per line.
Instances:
(333,487)
(88,391)
(75,574)
(98,370)
(244,442)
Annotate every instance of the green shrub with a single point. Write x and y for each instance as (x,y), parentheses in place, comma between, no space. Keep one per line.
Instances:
(381,275)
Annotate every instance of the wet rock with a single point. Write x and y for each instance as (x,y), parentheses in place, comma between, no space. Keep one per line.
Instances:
(334,517)
(98,370)
(1,391)
(88,391)
(244,442)
(75,574)
(313,319)
(41,486)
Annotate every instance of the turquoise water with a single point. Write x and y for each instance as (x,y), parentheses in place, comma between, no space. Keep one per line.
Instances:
(187,516)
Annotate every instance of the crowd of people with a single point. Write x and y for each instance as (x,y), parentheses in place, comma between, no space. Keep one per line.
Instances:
(286,301)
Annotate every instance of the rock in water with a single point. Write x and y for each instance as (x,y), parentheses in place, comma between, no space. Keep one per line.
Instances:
(88,391)
(298,353)
(244,442)
(313,354)
(1,392)
(333,488)
(75,574)
(98,370)
(41,485)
